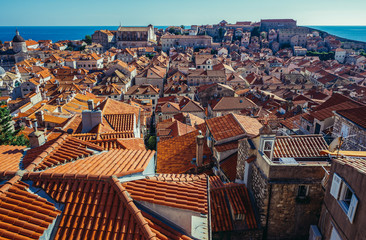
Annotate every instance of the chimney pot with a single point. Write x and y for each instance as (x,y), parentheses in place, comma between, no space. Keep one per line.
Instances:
(90,105)
(200,139)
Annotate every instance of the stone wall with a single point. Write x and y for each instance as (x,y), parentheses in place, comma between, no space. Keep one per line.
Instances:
(258,185)
(256,234)
(243,154)
(289,217)
(357,139)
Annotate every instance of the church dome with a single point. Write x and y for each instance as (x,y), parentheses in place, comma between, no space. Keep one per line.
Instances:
(18,38)
(2,71)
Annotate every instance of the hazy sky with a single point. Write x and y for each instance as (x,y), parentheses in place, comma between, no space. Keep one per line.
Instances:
(172,12)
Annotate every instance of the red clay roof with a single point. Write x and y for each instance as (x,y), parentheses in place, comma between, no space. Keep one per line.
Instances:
(114,162)
(175,155)
(228,166)
(121,122)
(99,136)
(228,200)
(224,127)
(226,146)
(23,215)
(162,230)
(58,151)
(356,115)
(10,157)
(190,196)
(95,210)
(299,146)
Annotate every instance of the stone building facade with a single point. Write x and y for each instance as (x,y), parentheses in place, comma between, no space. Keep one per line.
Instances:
(288,195)
(200,41)
(135,36)
(267,24)
(293,36)
(349,124)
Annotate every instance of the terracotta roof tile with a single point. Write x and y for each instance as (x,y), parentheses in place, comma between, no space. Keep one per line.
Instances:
(228,166)
(96,210)
(299,146)
(114,162)
(186,196)
(103,136)
(121,122)
(224,127)
(175,155)
(227,200)
(61,150)
(356,115)
(23,215)
(162,230)
(10,157)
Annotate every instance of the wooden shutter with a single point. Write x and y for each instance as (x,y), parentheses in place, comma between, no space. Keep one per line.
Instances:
(352,208)
(336,185)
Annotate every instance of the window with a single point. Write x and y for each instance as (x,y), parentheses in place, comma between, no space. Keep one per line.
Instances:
(302,191)
(335,235)
(344,130)
(267,148)
(346,197)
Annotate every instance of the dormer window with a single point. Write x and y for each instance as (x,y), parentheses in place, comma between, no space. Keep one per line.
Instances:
(267,148)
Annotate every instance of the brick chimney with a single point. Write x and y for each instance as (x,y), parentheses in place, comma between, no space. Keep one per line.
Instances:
(90,119)
(90,105)
(40,118)
(36,138)
(200,139)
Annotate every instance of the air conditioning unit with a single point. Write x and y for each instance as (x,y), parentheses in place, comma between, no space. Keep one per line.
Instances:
(314,233)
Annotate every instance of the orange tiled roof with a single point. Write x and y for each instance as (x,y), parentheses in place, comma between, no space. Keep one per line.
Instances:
(224,127)
(23,215)
(95,209)
(299,146)
(61,150)
(175,155)
(228,166)
(162,230)
(237,197)
(114,162)
(190,196)
(227,146)
(98,136)
(129,143)
(121,122)
(10,157)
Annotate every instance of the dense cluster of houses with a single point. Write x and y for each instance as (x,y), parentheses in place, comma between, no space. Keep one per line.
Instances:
(212,132)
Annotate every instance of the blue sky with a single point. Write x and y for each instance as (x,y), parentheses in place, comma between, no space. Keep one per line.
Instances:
(172,12)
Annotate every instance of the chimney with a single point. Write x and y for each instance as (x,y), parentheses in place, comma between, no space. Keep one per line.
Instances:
(40,118)
(90,119)
(200,139)
(36,138)
(90,105)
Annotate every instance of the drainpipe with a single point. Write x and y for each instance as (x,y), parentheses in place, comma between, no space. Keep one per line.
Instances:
(209,209)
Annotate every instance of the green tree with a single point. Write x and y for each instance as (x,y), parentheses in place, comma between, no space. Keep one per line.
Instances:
(255,32)
(171,30)
(8,136)
(221,33)
(182,27)
(151,143)
(88,39)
